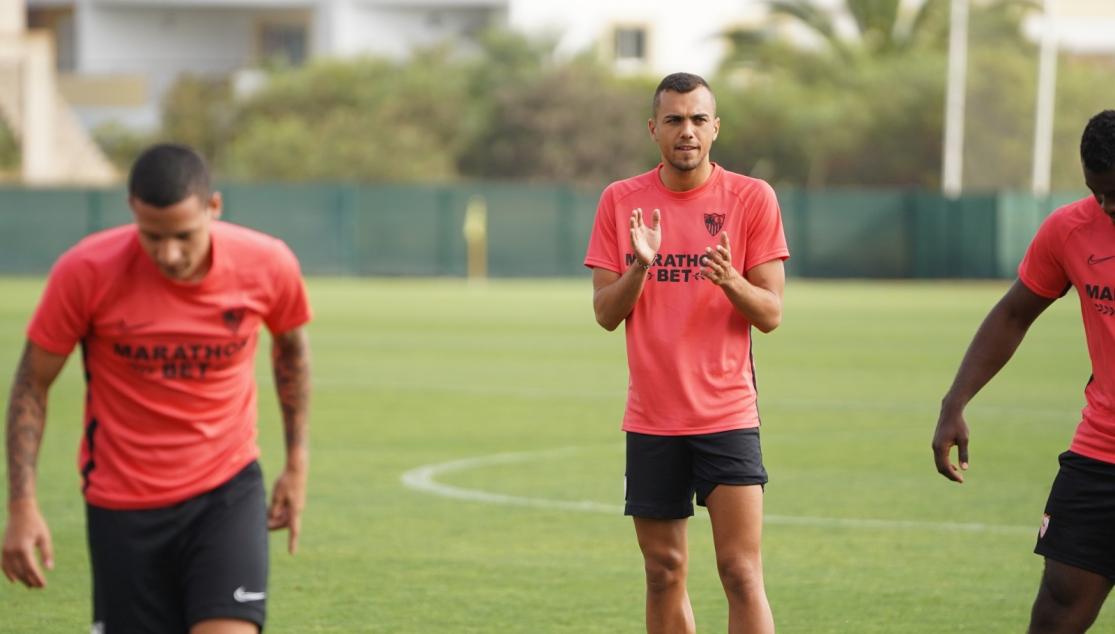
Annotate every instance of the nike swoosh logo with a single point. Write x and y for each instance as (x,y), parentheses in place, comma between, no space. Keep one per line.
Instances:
(243,596)
(1092,259)
(124,327)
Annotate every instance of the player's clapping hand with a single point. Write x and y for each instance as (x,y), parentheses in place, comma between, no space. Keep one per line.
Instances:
(287,501)
(26,532)
(646,238)
(718,263)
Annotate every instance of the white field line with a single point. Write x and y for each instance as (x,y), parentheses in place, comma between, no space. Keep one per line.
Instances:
(613,395)
(423,479)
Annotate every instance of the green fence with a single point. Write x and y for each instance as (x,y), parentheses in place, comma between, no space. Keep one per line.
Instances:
(910,233)
(543,231)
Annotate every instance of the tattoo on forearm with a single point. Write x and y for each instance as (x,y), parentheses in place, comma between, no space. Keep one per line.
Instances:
(291,360)
(26,419)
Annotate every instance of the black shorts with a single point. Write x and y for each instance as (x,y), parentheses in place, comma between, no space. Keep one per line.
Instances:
(162,571)
(1078,527)
(663,472)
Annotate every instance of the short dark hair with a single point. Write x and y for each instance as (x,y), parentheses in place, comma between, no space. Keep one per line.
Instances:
(1097,145)
(679,83)
(168,173)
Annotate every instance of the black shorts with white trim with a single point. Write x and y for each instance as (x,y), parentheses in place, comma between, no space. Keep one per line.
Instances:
(164,570)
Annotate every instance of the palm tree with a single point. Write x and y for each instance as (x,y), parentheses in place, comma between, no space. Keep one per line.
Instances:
(881,26)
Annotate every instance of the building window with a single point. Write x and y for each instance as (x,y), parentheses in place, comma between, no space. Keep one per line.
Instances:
(286,42)
(631,44)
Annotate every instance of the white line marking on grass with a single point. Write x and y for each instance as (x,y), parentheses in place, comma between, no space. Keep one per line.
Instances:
(423,479)
(927,407)
(892,525)
(460,388)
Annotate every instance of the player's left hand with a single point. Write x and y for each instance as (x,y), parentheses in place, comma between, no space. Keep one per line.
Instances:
(718,263)
(952,431)
(287,501)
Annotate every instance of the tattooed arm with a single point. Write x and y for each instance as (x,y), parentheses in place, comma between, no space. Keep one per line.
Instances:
(26,528)
(290,356)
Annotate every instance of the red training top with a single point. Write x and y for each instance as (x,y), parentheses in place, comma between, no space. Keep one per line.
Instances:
(170,408)
(1076,246)
(688,348)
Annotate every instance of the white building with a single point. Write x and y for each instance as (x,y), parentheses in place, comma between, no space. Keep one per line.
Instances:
(117,58)
(1083,26)
(657,37)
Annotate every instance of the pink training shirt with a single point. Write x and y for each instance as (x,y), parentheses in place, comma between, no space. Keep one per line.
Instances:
(1076,246)
(170,407)
(688,348)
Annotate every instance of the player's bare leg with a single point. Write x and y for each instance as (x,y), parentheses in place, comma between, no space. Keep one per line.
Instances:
(225,626)
(1069,599)
(665,549)
(737,528)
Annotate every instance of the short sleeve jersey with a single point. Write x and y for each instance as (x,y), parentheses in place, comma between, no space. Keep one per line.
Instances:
(688,349)
(170,408)
(1076,246)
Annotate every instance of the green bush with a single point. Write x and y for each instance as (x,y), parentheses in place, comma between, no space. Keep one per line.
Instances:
(9,151)
(121,144)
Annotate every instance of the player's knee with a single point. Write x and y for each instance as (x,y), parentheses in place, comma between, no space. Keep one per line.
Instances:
(1053,618)
(1045,616)
(1059,610)
(666,569)
(740,574)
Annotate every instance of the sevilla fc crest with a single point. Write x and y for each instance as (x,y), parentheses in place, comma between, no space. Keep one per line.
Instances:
(714,223)
(233,317)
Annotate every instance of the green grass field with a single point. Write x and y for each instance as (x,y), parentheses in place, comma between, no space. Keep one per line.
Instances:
(862,535)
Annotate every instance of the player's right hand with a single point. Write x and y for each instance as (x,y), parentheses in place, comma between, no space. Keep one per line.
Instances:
(26,532)
(646,238)
(952,430)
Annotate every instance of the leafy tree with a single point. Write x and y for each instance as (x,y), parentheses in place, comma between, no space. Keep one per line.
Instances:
(537,118)
(366,119)
(1084,88)
(511,111)
(568,124)
(198,111)
(881,27)
(872,125)
(873,113)
(120,144)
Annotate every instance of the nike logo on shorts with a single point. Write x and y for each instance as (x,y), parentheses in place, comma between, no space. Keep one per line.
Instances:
(243,596)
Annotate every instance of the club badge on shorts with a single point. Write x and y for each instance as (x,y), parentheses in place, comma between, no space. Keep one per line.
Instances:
(1044,526)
